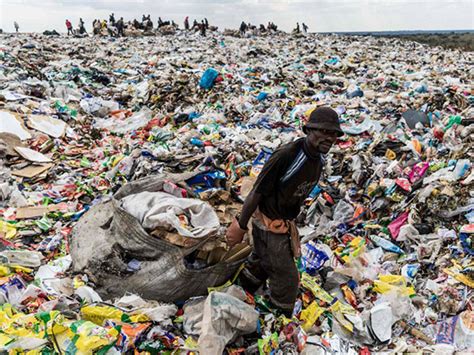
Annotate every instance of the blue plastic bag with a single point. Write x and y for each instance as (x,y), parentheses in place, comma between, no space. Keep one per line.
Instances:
(262,96)
(208,78)
(206,181)
(313,259)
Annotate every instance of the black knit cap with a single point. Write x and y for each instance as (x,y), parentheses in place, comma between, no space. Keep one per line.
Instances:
(324,118)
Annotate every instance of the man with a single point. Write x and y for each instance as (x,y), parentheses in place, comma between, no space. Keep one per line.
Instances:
(148,24)
(305,28)
(120,26)
(96,27)
(243,28)
(285,181)
(203,28)
(297,29)
(17,27)
(112,19)
(186,23)
(82,28)
(69,27)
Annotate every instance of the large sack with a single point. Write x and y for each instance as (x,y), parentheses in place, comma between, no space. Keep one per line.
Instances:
(107,238)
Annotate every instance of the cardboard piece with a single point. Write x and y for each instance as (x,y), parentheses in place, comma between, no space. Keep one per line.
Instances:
(32,155)
(11,141)
(32,170)
(51,126)
(10,124)
(12,96)
(31,212)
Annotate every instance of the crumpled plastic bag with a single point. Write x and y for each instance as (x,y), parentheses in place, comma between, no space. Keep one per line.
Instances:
(159,209)
(224,317)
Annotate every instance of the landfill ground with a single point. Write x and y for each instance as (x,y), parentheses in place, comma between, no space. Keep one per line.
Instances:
(100,136)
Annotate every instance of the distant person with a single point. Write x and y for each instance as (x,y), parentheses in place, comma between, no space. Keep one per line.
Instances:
(203,28)
(120,26)
(148,25)
(206,23)
(297,29)
(96,27)
(243,28)
(195,25)
(82,28)
(305,28)
(186,23)
(69,28)
(17,27)
(136,24)
(112,19)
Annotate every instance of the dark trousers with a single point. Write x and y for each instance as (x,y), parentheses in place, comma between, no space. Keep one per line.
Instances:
(272,260)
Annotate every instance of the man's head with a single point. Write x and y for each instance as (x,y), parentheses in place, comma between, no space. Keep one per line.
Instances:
(322,129)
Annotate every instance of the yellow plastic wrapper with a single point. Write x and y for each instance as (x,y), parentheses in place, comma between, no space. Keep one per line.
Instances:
(22,352)
(14,324)
(99,314)
(455,272)
(8,230)
(309,282)
(19,268)
(5,271)
(387,283)
(310,315)
(417,145)
(78,282)
(352,250)
(308,112)
(372,189)
(117,160)
(4,341)
(390,154)
(191,343)
(338,310)
(84,337)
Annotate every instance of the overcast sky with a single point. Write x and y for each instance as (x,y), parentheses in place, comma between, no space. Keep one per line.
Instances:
(319,15)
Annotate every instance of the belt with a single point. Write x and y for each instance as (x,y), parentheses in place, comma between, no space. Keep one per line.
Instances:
(282,226)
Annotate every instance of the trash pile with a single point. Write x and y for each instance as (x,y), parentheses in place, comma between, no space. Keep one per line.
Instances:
(123,160)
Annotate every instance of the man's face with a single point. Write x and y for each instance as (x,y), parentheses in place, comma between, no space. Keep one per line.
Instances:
(321,140)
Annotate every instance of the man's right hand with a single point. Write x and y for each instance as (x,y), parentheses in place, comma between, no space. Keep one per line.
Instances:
(234,234)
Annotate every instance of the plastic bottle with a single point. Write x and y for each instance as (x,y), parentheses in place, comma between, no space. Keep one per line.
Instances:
(197,142)
(385,244)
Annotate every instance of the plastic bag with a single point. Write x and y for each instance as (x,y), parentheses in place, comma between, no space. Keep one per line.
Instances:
(208,78)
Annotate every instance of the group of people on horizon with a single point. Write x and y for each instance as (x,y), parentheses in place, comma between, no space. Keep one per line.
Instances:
(248,27)
(81,28)
(117,28)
